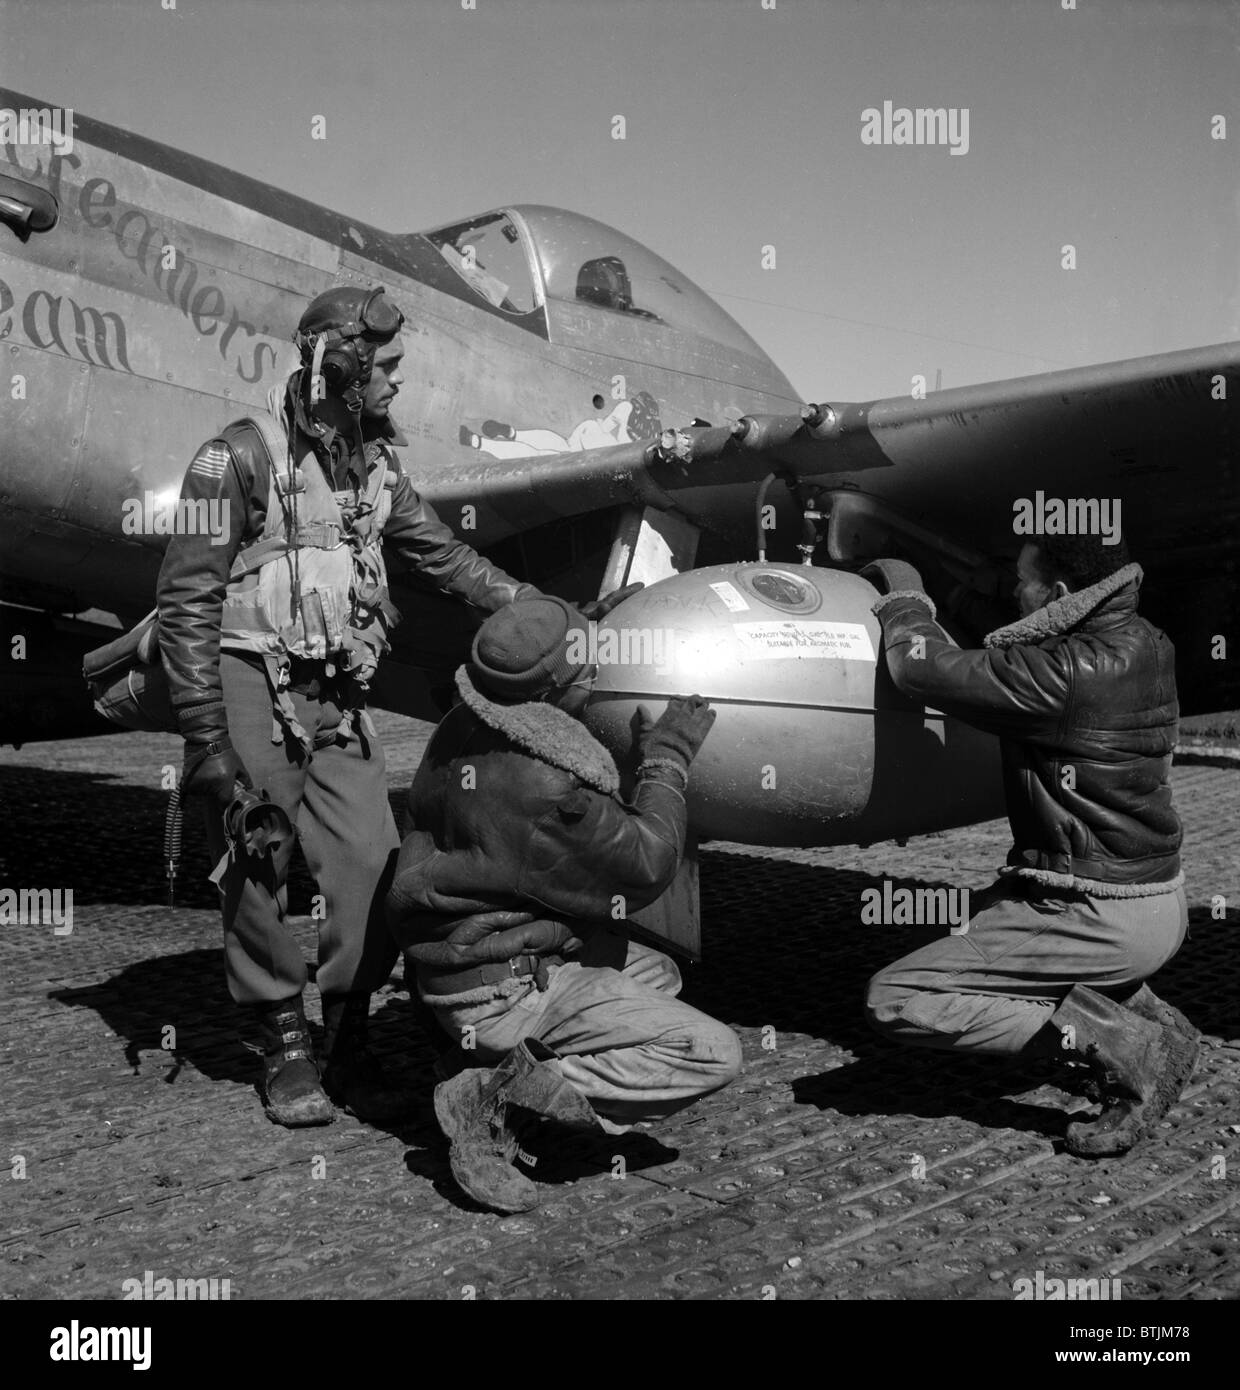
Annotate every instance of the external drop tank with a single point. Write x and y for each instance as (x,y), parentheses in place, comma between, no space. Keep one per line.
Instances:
(813,744)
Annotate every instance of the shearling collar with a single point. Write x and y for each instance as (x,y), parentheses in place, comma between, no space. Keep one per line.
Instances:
(1065,613)
(548,733)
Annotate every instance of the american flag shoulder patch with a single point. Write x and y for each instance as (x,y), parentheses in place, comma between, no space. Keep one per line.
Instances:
(210,461)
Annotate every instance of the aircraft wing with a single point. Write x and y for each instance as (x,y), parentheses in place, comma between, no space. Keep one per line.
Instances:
(1161,432)
(1159,435)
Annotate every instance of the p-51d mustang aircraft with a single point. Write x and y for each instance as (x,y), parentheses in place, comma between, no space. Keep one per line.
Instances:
(581,411)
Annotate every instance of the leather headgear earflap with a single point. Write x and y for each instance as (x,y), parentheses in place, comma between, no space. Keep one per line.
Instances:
(346,370)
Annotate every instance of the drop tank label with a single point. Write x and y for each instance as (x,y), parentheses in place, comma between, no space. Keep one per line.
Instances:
(731,596)
(838,641)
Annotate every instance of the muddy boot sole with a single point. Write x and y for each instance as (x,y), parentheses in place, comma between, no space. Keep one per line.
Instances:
(480,1159)
(295,1099)
(1126,1123)
(457,1100)
(489,1181)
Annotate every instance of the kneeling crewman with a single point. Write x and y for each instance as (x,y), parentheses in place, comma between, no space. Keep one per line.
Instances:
(1081,692)
(505,901)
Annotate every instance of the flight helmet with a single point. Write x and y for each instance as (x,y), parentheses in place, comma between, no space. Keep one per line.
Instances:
(337,337)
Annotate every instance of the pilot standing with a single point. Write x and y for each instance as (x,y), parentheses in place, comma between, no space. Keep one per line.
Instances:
(270,642)
(1081,692)
(510,897)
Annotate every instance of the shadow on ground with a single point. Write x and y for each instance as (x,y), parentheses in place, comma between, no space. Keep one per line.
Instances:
(104,837)
(784,948)
(816,961)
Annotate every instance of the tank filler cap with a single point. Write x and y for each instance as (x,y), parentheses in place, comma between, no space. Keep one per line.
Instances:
(780,588)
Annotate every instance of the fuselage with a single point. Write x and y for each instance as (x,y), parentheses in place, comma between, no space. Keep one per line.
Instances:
(161,305)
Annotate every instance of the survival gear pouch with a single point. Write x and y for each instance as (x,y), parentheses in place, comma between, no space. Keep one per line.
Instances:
(126,678)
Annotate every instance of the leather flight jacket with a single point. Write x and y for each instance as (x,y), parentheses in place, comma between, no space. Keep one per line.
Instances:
(1082,696)
(234,468)
(523,846)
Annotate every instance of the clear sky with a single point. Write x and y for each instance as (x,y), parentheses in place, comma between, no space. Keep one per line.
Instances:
(1088,126)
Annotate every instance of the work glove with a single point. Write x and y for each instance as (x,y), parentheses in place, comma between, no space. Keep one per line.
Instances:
(678,733)
(212,767)
(498,936)
(489,937)
(597,609)
(887,576)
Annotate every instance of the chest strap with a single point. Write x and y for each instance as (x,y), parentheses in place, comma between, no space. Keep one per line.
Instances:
(318,535)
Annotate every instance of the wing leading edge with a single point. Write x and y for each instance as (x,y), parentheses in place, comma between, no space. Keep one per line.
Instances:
(1162,432)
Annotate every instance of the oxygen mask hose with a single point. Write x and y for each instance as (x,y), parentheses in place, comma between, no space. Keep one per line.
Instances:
(172,841)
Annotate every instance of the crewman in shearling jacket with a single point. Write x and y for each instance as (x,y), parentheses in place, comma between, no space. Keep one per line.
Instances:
(507,895)
(1081,692)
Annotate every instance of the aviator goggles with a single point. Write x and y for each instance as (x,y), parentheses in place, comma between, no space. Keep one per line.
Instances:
(379,318)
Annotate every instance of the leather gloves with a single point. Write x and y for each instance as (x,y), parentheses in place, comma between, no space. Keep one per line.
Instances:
(887,576)
(213,770)
(598,608)
(498,936)
(212,767)
(487,937)
(678,733)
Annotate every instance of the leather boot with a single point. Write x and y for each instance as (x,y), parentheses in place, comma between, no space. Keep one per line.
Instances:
(529,1081)
(352,1075)
(1147,1004)
(482,1133)
(292,1094)
(475,1112)
(1141,1068)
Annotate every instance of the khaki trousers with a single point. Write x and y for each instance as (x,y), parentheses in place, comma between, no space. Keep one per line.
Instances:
(625,1041)
(991,988)
(336,798)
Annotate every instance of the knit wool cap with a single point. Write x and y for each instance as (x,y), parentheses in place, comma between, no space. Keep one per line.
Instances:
(522,650)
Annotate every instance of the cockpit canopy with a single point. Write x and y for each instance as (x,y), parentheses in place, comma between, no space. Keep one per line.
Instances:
(487,252)
(517,259)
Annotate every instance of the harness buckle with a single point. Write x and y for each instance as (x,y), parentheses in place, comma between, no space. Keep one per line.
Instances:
(321,535)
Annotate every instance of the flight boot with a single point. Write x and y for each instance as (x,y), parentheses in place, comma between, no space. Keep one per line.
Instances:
(1146,1004)
(1140,1067)
(532,1081)
(482,1113)
(292,1093)
(352,1076)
